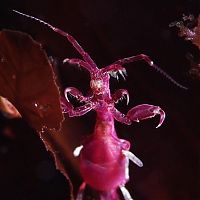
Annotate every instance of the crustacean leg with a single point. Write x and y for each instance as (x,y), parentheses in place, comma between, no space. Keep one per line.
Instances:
(82,187)
(129,156)
(140,112)
(81,191)
(67,107)
(77,94)
(76,61)
(132,157)
(79,111)
(125,193)
(133,59)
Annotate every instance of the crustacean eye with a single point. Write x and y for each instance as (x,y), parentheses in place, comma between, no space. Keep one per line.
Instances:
(96,85)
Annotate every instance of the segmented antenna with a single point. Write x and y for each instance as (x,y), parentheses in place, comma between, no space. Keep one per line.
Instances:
(90,61)
(151,63)
(161,71)
(41,21)
(70,38)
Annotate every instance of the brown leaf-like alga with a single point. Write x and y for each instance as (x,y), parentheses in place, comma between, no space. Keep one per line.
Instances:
(27,80)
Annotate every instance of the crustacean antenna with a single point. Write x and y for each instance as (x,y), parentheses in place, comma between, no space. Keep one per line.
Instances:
(88,63)
(151,63)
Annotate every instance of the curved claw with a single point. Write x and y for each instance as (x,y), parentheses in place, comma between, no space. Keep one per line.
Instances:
(162,117)
(66,106)
(74,92)
(119,95)
(145,111)
(114,70)
(77,151)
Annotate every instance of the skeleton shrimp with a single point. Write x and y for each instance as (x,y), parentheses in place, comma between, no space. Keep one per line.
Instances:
(103,157)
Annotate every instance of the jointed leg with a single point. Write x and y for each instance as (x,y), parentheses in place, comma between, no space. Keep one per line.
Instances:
(68,107)
(81,110)
(120,117)
(79,62)
(81,191)
(125,193)
(133,158)
(145,111)
(76,93)
(129,156)
(71,111)
(134,58)
(140,112)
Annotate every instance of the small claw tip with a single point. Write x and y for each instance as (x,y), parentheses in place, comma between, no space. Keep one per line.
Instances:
(65,60)
(159,125)
(127,99)
(162,118)
(77,151)
(151,63)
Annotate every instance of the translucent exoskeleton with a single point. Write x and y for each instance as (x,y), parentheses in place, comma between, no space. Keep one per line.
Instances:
(103,157)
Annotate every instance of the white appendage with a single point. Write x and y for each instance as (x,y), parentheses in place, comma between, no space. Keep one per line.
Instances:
(77,151)
(127,169)
(125,193)
(132,157)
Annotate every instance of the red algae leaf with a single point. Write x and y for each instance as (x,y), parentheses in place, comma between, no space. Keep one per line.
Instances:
(27,80)
(58,144)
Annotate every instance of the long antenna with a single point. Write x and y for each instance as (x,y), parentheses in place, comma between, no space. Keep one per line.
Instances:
(161,71)
(39,20)
(70,38)
(151,63)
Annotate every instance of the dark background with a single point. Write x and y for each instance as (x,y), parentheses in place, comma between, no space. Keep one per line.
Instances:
(109,30)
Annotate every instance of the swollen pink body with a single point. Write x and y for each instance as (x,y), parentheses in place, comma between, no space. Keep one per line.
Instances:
(104,169)
(103,157)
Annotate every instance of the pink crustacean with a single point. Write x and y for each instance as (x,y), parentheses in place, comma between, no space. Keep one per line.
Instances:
(103,157)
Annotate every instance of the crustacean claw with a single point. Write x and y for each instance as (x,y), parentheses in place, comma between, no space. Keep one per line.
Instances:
(119,95)
(115,74)
(145,111)
(75,93)
(115,70)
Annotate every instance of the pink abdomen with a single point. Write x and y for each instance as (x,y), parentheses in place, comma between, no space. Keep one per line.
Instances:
(102,164)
